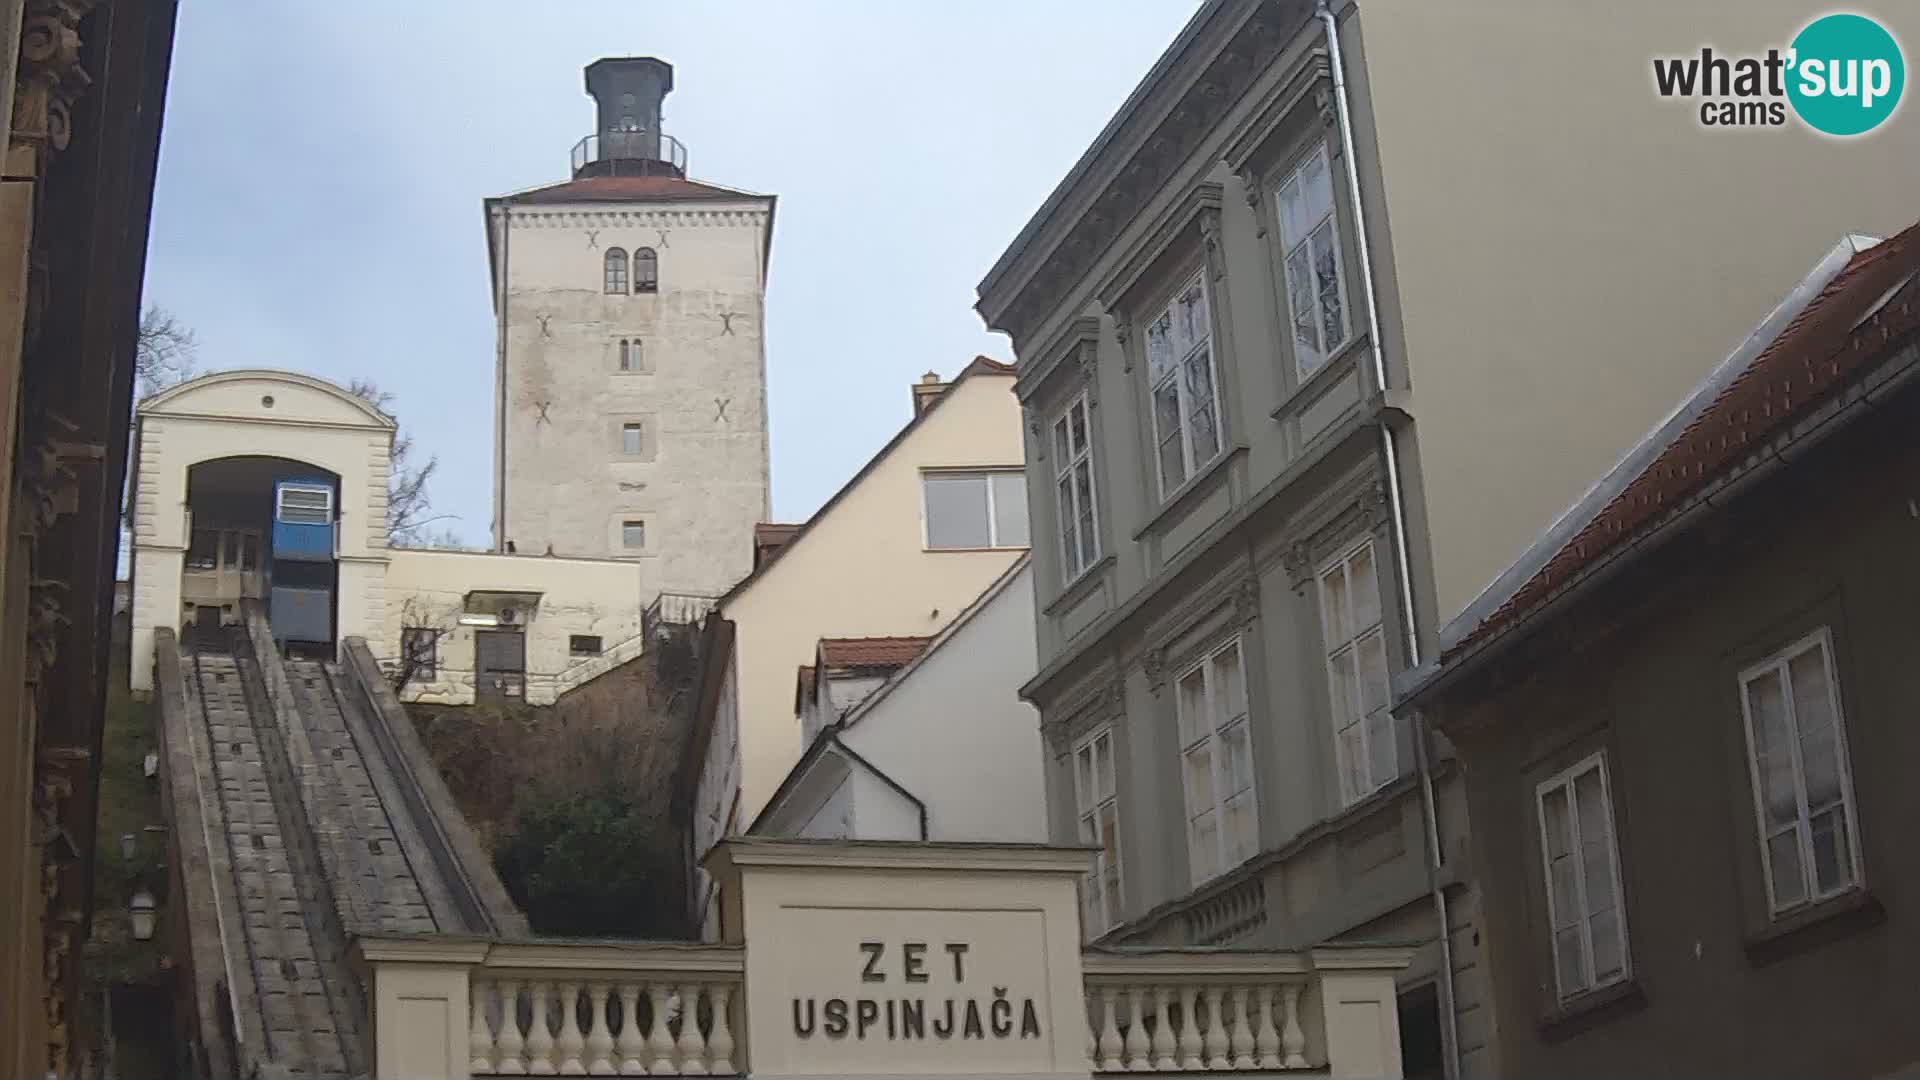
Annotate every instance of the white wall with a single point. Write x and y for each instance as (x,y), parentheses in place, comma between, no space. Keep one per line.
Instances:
(955,733)
(863,569)
(271,414)
(427,588)
(700,482)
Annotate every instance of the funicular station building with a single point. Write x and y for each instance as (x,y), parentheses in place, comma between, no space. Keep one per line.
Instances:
(337,918)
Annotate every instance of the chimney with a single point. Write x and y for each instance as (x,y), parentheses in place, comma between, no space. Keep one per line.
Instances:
(926,390)
(627,92)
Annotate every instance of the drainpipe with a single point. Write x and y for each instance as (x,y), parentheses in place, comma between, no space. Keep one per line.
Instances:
(1396,507)
(500,386)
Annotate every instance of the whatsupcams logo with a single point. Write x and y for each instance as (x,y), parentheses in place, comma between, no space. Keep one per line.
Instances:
(1842,75)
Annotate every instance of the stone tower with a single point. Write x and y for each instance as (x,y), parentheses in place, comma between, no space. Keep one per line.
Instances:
(630,399)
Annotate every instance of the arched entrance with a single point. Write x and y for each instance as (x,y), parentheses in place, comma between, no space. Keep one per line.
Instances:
(263,528)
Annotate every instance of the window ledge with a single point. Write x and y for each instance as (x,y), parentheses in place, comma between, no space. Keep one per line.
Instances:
(1815,925)
(1183,495)
(1336,368)
(954,550)
(1081,585)
(1591,1009)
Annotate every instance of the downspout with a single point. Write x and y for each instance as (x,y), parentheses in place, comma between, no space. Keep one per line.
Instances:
(1396,509)
(500,385)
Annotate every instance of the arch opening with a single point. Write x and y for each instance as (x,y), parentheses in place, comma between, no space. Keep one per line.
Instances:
(263,529)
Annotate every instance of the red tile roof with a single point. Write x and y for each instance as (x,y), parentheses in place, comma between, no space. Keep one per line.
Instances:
(871,651)
(621,188)
(1810,359)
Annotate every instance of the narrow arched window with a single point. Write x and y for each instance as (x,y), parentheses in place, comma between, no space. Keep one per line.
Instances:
(646,271)
(616,271)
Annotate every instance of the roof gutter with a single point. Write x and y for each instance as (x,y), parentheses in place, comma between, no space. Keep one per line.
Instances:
(1396,511)
(1832,416)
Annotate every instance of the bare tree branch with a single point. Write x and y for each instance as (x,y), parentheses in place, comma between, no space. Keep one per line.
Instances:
(163,352)
(409,510)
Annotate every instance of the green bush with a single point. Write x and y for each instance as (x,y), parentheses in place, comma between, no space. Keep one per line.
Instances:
(591,864)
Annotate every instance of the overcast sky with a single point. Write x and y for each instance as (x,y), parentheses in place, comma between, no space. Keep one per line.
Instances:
(323,164)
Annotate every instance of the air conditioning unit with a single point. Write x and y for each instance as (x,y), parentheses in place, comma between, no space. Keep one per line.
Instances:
(509,616)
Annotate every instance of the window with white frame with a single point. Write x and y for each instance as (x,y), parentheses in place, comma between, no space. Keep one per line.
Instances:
(1310,240)
(630,354)
(1582,868)
(975,509)
(1097,806)
(1802,787)
(1186,401)
(630,438)
(1073,484)
(304,505)
(1356,643)
(1216,763)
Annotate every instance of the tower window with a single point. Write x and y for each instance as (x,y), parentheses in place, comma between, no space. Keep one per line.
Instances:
(633,534)
(630,439)
(646,271)
(617,272)
(629,353)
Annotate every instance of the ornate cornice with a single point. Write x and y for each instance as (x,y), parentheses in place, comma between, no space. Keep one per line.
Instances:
(1228,74)
(1361,509)
(50,78)
(1105,703)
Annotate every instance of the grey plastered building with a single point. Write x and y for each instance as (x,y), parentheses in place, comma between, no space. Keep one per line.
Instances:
(1332,319)
(1686,718)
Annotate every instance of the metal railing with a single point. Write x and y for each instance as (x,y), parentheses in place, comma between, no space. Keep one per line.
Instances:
(630,153)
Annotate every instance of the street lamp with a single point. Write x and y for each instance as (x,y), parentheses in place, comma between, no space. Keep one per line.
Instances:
(141,910)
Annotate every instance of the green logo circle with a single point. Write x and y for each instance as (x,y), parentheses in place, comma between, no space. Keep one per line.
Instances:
(1846,75)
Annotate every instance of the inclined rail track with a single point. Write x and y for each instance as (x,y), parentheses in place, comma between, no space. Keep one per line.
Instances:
(298,984)
(366,860)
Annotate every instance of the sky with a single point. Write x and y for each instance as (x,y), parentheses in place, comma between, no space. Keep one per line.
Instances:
(322,168)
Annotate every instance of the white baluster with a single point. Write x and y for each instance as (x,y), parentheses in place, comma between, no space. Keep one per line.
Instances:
(1093,1031)
(1163,1045)
(1109,1032)
(1190,1044)
(570,1045)
(1137,1046)
(479,1036)
(539,1039)
(658,1041)
(693,1046)
(1293,1041)
(1242,1033)
(633,1045)
(1266,1041)
(722,1038)
(513,1057)
(599,1032)
(1217,1030)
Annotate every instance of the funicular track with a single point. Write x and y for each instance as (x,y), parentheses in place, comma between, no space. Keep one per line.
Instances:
(367,866)
(294,946)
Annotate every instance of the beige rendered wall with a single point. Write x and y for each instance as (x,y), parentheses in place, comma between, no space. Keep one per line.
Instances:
(1573,253)
(227,415)
(428,588)
(700,481)
(863,570)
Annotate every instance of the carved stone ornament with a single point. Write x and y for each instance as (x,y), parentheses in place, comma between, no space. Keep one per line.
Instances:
(1323,101)
(1373,507)
(1123,330)
(1154,664)
(50,77)
(1298,562)
(1089,365)
(1246,601)
(1210,239)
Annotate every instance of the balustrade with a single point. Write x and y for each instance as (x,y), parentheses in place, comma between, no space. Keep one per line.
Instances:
(640,1009)
(1183,1011)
